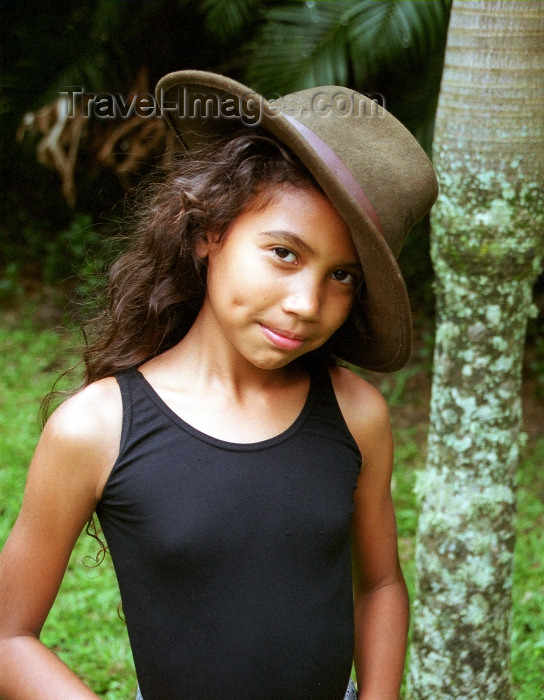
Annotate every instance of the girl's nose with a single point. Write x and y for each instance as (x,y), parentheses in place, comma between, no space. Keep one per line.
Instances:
(304,300)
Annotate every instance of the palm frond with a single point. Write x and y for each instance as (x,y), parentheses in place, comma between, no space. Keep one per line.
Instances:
(386,32)
(300,44)
(340,41)
(227,19)
(390,47)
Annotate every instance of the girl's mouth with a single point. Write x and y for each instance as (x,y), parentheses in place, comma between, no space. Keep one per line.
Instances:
(282,339)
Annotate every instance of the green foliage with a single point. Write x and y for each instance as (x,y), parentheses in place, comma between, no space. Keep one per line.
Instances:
(10,283)
(99,46)
(528,624)
(302,44)
(372,45)
(77,254)
(230,20)
(375,46)
(66,254)
(536,362)
(84,627)
(102,46)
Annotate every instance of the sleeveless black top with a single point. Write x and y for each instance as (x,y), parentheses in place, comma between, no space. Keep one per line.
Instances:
(233,560)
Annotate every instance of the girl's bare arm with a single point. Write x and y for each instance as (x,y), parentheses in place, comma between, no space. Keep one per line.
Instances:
(70,466)
(380,596)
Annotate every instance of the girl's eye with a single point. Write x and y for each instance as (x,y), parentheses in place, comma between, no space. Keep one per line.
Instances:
(343,276)
(285,254)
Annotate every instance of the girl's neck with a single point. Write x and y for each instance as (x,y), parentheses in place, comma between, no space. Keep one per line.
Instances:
(209,366)
(235,404)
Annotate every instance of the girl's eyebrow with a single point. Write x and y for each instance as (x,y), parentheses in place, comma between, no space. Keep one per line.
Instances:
(291,239)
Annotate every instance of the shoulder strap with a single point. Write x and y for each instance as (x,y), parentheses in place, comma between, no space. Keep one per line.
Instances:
(126,380)
(326,404)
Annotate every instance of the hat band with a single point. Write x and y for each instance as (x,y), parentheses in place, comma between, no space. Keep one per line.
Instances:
(341,172)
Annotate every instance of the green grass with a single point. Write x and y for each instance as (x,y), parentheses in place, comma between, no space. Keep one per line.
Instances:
(84,627)
(528,625)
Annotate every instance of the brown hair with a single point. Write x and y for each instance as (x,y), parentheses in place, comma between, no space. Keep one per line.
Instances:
(156,287)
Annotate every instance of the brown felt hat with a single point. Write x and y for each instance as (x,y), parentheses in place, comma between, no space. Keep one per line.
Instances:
(369,165)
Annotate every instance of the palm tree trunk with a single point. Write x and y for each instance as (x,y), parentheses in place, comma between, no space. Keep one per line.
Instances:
(487,247)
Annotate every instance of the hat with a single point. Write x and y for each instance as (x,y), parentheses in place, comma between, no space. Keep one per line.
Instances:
(368,164)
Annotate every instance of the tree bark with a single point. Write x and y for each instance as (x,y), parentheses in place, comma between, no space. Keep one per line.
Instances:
(487,245)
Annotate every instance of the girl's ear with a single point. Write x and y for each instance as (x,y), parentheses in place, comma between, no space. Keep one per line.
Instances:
(206,243)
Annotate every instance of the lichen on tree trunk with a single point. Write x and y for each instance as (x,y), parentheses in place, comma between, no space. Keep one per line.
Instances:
(487,248)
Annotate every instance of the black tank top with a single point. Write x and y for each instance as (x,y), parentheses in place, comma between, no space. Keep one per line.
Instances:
(233,560)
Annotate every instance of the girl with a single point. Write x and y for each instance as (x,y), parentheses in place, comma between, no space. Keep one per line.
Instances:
(241,477)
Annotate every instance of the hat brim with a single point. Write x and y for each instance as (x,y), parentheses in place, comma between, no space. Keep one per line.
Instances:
(378,333)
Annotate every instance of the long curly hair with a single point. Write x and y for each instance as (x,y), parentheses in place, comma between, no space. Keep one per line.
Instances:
(157,286)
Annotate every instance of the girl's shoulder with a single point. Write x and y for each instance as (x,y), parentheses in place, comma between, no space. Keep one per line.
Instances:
(88,426)
(364,408)
(90,411)
(355,393)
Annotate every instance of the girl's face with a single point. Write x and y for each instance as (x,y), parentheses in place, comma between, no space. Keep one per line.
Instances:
(282,279)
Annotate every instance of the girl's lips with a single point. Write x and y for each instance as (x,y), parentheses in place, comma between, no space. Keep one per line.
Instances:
(285,342)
